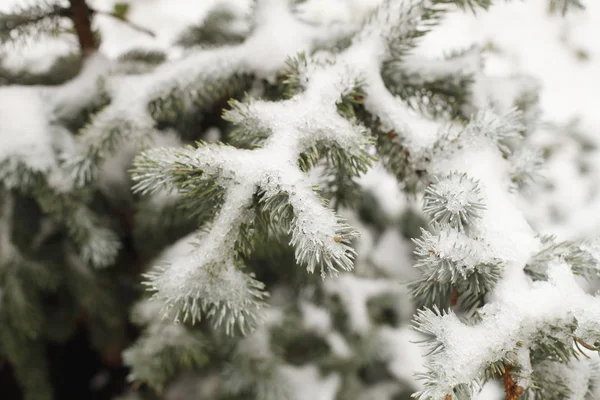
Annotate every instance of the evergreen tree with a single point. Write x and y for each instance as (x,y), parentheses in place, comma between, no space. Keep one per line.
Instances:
(219,199)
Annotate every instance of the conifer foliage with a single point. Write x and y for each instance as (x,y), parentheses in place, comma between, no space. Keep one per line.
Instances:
(228,180)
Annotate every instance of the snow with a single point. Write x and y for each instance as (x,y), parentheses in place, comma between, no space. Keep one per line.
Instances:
(114,177)
(73,96)
(354,293)
(199,283)
(278,35)
(491,391)
(502,226)
(534,43)
(515,315)
(398,348)
(29,142)
(306,383)
(502,230)
(315,318)
(318,320)
(25,133)
(164,18)
(170,334)
(257,345)
(395,115)
(342,11)
(40,55)
(386,190)
(296,125)
(516,305)
(259,55)
(392,255)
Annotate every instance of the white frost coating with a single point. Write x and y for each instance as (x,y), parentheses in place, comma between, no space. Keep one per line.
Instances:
(502,226)
(37,56)
(29,143)
(363,244)
(30,147)
(306,383)
(272,168)
(515,315)
(207,280)
(279,35)
(395,115)
(517,308)
(33,138)
(229,297)
(339,346)
(397,19)
(180,248)
(506,235)
(577,374)
(298,125)
(461,250)
(130,95)
(69,99)
(128,117)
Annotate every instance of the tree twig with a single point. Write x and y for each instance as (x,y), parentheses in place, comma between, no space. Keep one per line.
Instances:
(454,298)
(80,15)
(513,391)
(125,21)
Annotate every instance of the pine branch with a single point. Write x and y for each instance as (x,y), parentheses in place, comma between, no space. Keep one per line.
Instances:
(163,350)
(564,6)
(29,23)
(455,201)
(301,130)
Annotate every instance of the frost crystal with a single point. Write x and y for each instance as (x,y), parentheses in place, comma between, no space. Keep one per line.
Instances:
(454,200)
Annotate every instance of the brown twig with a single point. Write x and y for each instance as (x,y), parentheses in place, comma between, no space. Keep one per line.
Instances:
(454,298)
(80,15)
(125,21)
(513,391)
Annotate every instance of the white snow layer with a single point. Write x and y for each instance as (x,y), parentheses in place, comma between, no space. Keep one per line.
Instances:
(564,94)
(25,132)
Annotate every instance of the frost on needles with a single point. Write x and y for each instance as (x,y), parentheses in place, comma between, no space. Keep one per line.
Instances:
(267,188)
(489,312)
(498,300)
